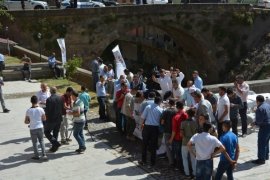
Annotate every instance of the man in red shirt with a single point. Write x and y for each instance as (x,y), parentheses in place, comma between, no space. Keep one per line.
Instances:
(120,96)
(176,137)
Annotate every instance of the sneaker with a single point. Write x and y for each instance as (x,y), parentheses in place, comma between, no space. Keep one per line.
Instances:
(68,139)
(44,158)
(29,80)
(244,135)
(6,110)
(35,158)
(80,150)
(64,142)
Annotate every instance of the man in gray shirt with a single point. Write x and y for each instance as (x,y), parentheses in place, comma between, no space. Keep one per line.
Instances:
(5,110)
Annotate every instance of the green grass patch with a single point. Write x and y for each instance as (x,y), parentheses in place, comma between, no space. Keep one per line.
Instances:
(12,60)
(62,84)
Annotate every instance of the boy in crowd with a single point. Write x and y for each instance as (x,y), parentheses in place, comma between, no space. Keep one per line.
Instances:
(230,142)
(34,116)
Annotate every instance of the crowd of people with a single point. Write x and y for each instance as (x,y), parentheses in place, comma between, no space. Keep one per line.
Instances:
(195,123)
(49,115)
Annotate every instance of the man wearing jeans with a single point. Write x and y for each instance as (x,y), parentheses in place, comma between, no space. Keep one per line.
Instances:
(101,96)
(242,89)
(205,145)
(230,142)
(262,119)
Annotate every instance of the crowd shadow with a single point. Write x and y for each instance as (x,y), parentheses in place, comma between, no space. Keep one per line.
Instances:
(127,171)
(118,160)
(19,159)
(16,141)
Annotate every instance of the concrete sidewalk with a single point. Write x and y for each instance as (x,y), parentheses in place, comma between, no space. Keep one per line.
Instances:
(98,162)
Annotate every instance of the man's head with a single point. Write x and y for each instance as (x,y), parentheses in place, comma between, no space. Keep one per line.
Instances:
(205,92)
(226,126)
(222,90)
(203,118)
(157,100)
(124,86)
(83,88)
(101,78)
(74,95)
(43,87)
(105,68)
(191,112)
(189,83)
(110,66)
(179,105)
(171,102)
(140,71)
(136,78)
(53,54)
(126,71)
(207,127)
(230,92)
(53,90)
(195,74)
(121,77)
(259,100)
(69,91)
(162,72)
(174,73)
(34,100)
(100,61)
(197,95)
(151,95)
(239,79)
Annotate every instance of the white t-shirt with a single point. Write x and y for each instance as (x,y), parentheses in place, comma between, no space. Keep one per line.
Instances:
(178,93)
(43,96)
(2,57)
(165,83)
(35,115)
(222,101)
(180,78)
(205,145)
(244,87)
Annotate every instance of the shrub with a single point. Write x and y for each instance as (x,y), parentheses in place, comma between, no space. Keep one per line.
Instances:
(72,65)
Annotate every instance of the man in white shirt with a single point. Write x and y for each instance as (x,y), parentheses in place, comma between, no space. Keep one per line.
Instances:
(223,108)
(205,145)
(165,82)
(242,89)
(43,95)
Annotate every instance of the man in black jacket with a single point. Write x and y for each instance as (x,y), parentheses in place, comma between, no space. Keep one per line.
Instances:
(54,109)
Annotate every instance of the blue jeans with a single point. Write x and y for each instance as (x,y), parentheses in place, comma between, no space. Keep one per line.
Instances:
(204,169)
(177,154)
(263,142)
(78,134)
(224,166)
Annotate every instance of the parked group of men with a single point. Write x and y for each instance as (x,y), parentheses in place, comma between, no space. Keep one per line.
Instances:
(50,113)
(187,118)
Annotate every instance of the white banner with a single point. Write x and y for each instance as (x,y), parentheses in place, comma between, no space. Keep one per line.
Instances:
(119,61)
(61,43)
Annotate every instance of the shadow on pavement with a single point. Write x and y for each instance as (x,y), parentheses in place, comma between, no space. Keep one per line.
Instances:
(16,141)
(128,171)
(19,159)
(245,166)
(119,160)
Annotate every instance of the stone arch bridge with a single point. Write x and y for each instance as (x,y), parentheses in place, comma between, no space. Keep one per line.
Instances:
(212,38)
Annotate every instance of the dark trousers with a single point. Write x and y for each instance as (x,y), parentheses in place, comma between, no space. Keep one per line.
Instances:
(25,71)
(204,169)
(102,107)
(243,115)
(117,114)
(130,125)
(95,79)
(144,2)
(56,70)
(177,154)
(85,115)
(263,142)
(54,129)
(219,126)
(224,166)
(234,125)
(150,142)
(121,121)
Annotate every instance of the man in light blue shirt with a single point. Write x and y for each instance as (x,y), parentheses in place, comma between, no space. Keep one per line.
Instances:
(85,98)
(149,101)
(101,96)
(187,97)
(151,118)
(198,82)
(2,63)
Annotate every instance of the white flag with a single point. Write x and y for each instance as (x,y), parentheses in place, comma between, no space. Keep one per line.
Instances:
(61,43)
(119,61)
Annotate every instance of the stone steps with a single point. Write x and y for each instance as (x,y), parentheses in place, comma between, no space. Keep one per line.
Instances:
(39,71)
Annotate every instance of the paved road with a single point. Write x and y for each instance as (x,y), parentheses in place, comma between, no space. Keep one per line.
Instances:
(99,161)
